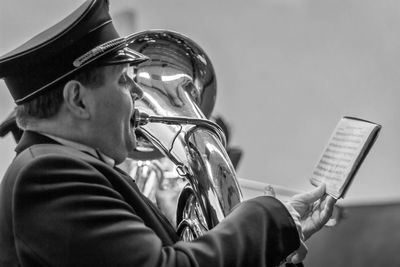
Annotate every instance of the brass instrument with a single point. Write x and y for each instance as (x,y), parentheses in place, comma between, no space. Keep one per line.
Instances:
(179,87)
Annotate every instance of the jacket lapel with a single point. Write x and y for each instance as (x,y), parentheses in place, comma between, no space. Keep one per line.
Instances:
(164,223)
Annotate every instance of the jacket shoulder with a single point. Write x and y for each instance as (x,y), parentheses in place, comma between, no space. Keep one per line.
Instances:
(46,157)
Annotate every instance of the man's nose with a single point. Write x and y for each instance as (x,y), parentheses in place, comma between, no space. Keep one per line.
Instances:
(136,91)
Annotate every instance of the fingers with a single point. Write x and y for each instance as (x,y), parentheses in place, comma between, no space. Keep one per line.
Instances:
(320,216)
(327,210)
(269,191)
(311,196)
(299,255)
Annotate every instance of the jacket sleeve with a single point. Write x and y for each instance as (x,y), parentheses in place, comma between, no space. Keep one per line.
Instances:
(66,213)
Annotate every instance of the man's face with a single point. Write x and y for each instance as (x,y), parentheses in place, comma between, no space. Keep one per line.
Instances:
(112,105)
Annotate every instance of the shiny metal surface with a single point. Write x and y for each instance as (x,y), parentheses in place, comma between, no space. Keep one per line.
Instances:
(159,181)
(141,119)
(179,81)
(192,219)
(178,70)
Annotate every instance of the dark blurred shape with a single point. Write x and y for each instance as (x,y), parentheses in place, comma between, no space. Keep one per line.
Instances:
(234,153)
(10,125)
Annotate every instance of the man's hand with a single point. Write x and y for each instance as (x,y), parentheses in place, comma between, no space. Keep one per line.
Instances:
(311,211)
(315,209)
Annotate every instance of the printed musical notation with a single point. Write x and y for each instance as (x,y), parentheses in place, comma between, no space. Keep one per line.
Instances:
(344,153)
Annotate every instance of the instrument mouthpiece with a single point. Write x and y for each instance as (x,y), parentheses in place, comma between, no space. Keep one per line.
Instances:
(139,118)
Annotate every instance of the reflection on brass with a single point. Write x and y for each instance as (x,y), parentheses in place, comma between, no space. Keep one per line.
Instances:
(179,87)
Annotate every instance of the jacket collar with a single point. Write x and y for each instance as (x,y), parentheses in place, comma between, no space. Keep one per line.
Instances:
(30,138)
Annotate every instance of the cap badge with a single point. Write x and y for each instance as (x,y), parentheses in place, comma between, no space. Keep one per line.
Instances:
(98,50)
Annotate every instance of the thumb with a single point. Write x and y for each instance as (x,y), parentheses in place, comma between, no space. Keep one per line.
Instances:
(269,191)
(311,196)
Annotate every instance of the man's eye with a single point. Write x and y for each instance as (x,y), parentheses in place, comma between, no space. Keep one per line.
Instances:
(124,80)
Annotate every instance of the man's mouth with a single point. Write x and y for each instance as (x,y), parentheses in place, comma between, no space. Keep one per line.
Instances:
(139,118)
(135,119)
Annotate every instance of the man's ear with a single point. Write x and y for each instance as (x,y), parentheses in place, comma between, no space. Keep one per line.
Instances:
(74,98)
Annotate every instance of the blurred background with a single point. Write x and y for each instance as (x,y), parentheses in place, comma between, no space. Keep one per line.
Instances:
(287,71)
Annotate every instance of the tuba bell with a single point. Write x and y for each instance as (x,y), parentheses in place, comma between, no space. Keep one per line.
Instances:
(173,122)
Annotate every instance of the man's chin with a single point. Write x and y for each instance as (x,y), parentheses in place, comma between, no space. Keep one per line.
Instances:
(131,143)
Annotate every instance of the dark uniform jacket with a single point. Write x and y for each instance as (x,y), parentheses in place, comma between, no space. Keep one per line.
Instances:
(63,207)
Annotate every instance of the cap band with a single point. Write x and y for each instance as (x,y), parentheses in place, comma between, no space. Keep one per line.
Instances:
(98,50)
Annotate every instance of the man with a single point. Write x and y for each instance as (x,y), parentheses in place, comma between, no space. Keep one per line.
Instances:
(64,203)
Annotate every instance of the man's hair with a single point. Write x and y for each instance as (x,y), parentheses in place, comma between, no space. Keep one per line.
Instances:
(48,104)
